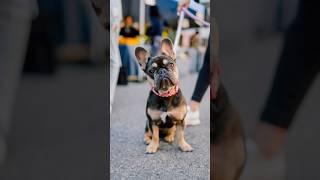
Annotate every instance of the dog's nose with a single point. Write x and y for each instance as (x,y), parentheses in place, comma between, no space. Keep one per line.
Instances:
(162,71)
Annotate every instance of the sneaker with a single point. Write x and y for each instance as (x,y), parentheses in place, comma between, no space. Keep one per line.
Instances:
(258,167)
(193,117)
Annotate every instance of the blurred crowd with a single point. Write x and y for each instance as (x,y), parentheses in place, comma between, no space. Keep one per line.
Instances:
(192,44)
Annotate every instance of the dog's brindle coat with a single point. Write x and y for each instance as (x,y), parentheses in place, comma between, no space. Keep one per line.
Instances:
(165,114)
(226,134)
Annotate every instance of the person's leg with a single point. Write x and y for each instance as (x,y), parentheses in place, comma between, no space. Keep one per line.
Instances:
(201,87)
(294,76)
(193,60)
(203,80)
(15,21)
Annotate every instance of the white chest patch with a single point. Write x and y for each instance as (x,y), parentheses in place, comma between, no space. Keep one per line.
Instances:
(163,116)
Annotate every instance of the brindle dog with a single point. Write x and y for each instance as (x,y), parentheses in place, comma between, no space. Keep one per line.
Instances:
(226,136)
(166,107)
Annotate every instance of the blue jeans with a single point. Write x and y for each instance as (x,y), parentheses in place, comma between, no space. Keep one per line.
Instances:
(129,61)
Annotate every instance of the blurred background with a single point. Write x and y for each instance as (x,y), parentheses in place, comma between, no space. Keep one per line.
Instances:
(53,86)
(159,21)
(252,38)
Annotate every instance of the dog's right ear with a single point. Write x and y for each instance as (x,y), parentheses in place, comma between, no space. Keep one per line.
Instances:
(142,56)
(167,48)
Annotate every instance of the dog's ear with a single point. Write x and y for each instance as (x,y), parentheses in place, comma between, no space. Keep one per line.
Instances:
(142,56)
(167,48)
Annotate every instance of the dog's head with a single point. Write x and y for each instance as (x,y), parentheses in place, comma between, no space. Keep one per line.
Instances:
(161,71)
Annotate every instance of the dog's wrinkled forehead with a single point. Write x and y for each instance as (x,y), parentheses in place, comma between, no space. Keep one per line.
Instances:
(161,60)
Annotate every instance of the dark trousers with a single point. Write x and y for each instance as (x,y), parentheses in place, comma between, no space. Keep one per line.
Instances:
(203,80)
(296,71)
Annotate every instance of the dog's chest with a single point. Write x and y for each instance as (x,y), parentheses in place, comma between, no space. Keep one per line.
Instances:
(170,116)
(159,116)
(165,121)
(163,116)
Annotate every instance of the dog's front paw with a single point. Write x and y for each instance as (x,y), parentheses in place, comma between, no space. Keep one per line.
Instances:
(169,138)
(185,147)
(152,148)
(147,139)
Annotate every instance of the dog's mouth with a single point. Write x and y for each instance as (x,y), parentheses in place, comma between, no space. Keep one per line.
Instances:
(166,84)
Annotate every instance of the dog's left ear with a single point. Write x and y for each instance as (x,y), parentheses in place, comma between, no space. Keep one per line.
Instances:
(167,48)
(142,56)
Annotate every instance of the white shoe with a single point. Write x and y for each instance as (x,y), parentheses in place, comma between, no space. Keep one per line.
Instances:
(193,117)
(257,167)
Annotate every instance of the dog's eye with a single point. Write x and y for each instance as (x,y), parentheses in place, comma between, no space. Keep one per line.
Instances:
(171,65)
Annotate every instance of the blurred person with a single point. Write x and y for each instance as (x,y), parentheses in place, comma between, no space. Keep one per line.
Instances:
(195,39)
(227,147)
(202,84)
(294,76)
(128,30)
(76,31)
(115,59)
(168,30)
(155,30)
(15,24)
(196,49)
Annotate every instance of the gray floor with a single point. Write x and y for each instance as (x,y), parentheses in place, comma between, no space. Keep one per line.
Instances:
(59,127)
(128,158)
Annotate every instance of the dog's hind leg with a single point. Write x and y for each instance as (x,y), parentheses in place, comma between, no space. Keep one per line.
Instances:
(147,134)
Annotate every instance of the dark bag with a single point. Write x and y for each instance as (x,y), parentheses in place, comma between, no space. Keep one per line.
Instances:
(123,76)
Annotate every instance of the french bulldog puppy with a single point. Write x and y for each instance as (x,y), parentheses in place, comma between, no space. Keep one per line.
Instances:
(166,107)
